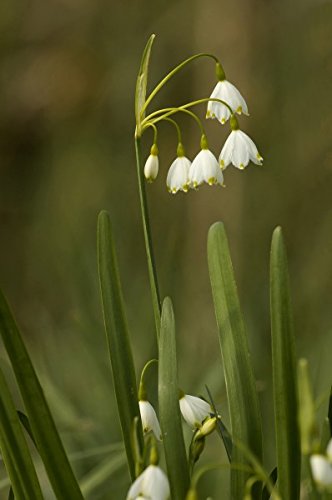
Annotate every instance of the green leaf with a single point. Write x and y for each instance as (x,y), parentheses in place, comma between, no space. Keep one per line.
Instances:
(43,427)
(26,424)
(239,377)
(169,409)
(222,429)
(15,450)
(117,337)
(284,373)
(141,82)
(306,415)
(325,435)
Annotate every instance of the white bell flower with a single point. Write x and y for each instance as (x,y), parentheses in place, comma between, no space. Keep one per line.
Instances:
(194,410)
(321,469)
(225,91)
(239,149)
(149,419)
(152,484)
(178,174)
(151,166)
(205,168)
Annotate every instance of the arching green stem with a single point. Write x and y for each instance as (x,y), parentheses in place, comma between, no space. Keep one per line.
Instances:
(141,390)
(195,117)
(178,131)
(214,466)
(171,111)
(155,132)
(171,74)
(147,238)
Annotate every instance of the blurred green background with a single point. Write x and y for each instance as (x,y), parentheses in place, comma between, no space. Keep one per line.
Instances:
(67,78)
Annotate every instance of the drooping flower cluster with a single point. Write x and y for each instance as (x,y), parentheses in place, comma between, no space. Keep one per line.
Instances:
(239,149)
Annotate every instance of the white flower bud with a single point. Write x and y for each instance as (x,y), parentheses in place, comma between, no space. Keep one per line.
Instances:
(149,419)
(194,410)
(151,166)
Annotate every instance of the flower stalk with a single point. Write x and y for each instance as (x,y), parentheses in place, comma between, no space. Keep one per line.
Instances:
(153,279)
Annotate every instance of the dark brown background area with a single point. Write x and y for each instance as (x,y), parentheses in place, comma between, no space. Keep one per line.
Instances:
(67,79)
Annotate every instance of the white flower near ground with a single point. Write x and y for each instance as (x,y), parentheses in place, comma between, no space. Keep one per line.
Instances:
(239,149)
(329,450)
(178,175)
(194,410)
(151,168)
(226,91)
(321,469)
(152,484)
(149,419)
(205,168)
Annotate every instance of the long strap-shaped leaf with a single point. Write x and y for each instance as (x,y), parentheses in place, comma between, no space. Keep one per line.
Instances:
(42,424)
(117,337)
(240,383)
(168,395)
(15,450)
(284,373)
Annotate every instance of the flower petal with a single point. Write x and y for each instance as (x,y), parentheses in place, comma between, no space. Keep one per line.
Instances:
(149,419)
(151,168)
(227,92)
(194,410)
(177,177)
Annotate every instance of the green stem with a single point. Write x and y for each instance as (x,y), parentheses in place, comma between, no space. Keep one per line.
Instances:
(171,74)
(142,396)
(155,131)
(171,111)
(148,239)
(178,131)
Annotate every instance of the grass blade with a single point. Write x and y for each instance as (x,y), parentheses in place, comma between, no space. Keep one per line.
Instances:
(15,450)
(101,473)
(240,383)
(117,337)
(284,373)
(26,424)
(169,410)
(41,421)
(222,429)
(266,495)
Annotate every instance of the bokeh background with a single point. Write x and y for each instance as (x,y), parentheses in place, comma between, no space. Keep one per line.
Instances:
(67,78)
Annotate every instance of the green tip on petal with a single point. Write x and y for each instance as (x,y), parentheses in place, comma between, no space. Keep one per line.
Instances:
(154,150)
(220,73)
(234,123)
